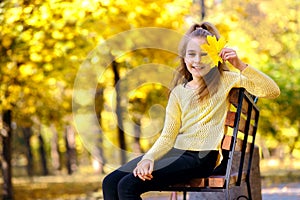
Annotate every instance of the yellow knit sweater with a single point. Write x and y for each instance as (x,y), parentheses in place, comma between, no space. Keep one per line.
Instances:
(200,126)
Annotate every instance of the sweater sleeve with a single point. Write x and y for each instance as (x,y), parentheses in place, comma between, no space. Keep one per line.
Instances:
(170,131)
(258,83)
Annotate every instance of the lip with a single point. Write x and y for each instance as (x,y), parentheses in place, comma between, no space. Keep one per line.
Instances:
(198,67)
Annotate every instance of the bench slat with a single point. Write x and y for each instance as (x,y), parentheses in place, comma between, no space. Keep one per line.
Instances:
(216,181)
(238,146)
(230,121)
(233,99)
(212,181)
(242,125)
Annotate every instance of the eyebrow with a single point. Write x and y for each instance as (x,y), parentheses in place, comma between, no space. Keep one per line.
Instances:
(203,53)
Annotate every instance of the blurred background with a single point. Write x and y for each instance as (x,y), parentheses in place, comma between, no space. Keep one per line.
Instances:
(43,44)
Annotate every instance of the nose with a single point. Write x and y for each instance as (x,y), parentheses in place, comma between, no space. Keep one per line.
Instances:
(197,59)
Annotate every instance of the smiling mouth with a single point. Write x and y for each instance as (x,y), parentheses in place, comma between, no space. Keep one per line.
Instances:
(198,67)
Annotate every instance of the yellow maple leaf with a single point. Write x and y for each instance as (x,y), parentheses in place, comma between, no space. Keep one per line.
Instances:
(213,48)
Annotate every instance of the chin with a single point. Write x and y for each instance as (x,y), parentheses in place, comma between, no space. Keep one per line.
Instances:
(203,73)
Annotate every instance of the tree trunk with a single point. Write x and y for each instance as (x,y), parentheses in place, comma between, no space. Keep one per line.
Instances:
(6,134)
(71,150)
(97,153)
(137,134)
(27,133)
(43,156)
(295,141)
(202,9)
(54,149)
(121,134)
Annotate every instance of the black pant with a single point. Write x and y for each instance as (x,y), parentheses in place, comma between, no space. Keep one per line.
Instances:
(176,166)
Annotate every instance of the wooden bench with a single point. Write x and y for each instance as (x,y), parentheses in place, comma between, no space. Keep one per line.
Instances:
(238,142)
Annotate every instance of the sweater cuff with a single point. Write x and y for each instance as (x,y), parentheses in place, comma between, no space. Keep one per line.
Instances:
(147,157)
(247,70)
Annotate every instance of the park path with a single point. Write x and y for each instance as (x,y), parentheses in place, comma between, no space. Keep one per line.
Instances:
(284,191)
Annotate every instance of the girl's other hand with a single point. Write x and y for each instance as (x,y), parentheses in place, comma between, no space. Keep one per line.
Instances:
(144,169)
(230,55)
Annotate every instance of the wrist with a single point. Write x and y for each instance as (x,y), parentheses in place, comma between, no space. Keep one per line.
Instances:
(242,66)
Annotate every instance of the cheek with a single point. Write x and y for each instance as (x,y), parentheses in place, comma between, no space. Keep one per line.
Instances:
(187,61)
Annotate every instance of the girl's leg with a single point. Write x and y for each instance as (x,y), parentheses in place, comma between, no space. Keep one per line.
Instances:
(110,184)
(175,167)
(111,181)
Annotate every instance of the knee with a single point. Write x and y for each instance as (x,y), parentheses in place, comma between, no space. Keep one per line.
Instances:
(123,184)
(108,182)
(109,187)
(105,183)
(129,185)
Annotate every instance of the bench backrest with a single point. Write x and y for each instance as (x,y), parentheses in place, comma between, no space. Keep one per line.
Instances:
(238,144)
(241,124)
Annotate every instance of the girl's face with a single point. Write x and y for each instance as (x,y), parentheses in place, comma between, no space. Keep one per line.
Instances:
(198,62)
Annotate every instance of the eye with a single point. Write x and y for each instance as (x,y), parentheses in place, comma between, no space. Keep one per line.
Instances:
(191,54)
(203,54)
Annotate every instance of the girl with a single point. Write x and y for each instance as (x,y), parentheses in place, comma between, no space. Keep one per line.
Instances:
(189,145)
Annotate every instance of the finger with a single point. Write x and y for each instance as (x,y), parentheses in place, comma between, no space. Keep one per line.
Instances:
(223,54)
(151,168)
(148,177)
(229,56)
(145,171)
(225,50)
(141,177)
(135,172)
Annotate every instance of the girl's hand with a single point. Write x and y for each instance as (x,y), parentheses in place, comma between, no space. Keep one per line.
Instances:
(230,55)
(144,169)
